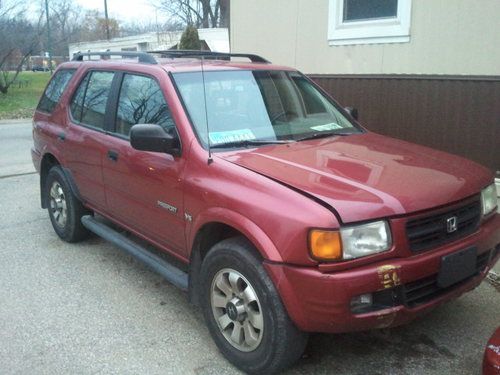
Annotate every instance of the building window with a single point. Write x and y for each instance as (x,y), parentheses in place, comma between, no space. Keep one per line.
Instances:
(369,21)
(361,10)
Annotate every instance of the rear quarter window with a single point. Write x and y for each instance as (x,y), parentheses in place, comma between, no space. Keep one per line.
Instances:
(54,90)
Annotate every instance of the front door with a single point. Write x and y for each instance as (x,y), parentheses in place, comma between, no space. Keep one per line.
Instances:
(144,189)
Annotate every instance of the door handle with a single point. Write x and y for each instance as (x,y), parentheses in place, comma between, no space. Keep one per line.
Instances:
(61,136)
(112,155)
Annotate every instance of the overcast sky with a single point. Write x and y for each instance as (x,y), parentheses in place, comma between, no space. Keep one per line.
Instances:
(140,11)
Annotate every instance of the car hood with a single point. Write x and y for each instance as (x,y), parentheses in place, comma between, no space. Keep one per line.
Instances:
(367,176)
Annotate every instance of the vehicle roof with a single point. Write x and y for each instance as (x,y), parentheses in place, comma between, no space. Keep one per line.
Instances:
(176,65)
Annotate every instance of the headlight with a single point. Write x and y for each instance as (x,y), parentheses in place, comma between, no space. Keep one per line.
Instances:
(489,199)
(366,239)
(351,242)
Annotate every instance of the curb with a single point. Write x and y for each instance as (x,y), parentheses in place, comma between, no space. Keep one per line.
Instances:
(15,121)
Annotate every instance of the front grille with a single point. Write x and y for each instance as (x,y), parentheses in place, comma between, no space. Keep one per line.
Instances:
(431,231)
(425,290)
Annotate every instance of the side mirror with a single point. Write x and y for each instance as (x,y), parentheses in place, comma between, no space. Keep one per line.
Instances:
(353,112)
(150,137)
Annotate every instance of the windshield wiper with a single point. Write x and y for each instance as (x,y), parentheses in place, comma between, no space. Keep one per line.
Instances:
(249,142)
(323,135)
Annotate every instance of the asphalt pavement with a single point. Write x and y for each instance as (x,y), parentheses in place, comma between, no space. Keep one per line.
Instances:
(88,308)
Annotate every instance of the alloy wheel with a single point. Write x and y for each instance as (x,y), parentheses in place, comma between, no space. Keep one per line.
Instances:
(237,310)
(58,205)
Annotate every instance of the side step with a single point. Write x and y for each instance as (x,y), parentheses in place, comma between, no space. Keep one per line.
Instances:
(171,273)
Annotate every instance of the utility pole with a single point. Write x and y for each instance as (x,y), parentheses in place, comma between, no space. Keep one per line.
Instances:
(107,19)
(49,42)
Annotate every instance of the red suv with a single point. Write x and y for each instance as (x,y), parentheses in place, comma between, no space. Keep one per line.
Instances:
(287,216)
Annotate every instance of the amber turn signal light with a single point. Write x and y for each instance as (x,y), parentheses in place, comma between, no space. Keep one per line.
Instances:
(325,245)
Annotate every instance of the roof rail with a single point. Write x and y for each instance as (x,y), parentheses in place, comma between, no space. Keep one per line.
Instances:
(143,57)
(178,53)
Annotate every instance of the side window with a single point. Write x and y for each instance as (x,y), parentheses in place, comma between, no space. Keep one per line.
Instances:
(141,101)
(76,106)
(54,90)
(89,102)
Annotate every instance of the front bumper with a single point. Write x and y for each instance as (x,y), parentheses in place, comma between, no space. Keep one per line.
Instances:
(320,302)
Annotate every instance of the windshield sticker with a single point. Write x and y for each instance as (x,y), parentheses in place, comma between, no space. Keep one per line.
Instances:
(231,136)
(330,126)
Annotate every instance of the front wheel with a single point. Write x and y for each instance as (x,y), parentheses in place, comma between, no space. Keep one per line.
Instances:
(243,310)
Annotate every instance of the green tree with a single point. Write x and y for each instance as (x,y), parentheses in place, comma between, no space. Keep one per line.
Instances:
(190,39)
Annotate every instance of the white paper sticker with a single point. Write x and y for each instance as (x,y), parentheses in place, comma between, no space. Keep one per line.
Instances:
(231,136)
(330,126)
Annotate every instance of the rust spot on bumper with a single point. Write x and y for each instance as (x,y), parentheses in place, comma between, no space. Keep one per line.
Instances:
(389,276)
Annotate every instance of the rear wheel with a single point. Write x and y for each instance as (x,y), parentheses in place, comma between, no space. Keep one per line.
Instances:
(243,310)
(65,210)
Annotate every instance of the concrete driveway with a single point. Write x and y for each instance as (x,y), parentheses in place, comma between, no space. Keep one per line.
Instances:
(15,144)
(89,309)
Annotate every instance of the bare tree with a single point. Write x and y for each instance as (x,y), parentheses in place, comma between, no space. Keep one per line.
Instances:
(19,40)
(65,20)
(94,27)
(135,28)
(198,13)
(224,13)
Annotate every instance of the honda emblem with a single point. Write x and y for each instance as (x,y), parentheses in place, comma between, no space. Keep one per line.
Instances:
(451,224)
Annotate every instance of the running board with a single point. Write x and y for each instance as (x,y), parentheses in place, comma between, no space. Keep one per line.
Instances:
(171,273)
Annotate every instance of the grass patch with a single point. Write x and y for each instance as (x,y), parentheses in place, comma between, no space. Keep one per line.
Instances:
(21,100)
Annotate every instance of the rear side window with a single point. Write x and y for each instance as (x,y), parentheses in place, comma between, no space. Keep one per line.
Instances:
(54,90)
(88,105)
(141,101)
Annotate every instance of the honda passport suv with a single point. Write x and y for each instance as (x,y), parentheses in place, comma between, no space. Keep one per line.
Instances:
(285,214)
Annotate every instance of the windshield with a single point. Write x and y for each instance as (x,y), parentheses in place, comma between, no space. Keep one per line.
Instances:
(258,105)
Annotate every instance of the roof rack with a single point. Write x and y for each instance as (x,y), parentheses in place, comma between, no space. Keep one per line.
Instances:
(147,58)
(177,53)
(143,57)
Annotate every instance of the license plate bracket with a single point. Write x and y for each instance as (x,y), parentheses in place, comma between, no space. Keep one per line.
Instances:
(457,267)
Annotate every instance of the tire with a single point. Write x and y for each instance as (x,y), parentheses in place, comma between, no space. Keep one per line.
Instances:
(273,347)
(65,210)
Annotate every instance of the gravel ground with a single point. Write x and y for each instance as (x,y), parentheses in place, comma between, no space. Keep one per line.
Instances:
(90,309)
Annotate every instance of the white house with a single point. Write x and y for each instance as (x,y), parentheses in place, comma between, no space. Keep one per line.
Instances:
(216,39)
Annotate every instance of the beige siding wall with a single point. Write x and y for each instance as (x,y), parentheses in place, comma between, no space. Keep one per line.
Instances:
(447,37)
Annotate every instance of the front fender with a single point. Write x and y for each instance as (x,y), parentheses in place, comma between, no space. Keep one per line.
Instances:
(248,228)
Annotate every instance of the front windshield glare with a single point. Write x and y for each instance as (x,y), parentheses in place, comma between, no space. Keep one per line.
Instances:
(257,105)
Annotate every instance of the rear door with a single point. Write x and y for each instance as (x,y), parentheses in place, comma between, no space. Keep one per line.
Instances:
(88,116)
(144,189)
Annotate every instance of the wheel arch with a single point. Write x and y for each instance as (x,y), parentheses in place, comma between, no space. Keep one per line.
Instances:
(49,161)
(216,225)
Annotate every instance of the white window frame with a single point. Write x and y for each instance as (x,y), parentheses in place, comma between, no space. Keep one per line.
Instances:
(373,31)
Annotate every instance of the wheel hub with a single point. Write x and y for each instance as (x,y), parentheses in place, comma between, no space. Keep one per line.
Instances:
(236,310)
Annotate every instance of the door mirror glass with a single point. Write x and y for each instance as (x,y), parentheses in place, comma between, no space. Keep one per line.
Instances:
(353,112)
(149,137)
